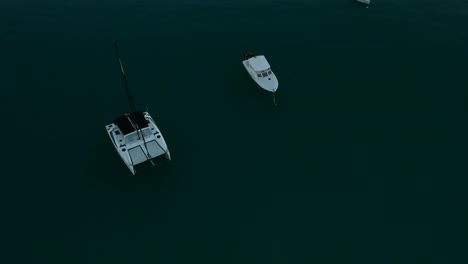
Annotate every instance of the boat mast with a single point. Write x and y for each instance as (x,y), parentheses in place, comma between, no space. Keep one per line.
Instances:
(131,102)
(124,77)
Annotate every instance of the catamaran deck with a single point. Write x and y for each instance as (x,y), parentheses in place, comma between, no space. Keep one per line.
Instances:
(125,125)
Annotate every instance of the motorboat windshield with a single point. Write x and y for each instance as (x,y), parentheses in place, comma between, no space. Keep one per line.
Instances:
(265,73)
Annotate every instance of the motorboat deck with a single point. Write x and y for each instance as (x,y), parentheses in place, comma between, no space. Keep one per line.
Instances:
(260,71)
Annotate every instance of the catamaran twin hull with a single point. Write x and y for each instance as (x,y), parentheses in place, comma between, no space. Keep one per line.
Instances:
(137,139)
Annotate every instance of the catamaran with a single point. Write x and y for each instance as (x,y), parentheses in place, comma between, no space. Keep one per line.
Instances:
(135,135)
(260,71)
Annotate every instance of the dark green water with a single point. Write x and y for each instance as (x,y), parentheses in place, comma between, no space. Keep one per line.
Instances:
(364,160)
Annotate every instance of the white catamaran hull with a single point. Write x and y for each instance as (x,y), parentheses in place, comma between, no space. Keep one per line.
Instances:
(133,150)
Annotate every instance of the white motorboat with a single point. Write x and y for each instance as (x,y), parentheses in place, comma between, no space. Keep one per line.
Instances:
(260,71)
(367,2)
(135,135)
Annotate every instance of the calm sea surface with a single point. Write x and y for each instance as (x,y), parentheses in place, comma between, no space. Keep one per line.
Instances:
(363,161)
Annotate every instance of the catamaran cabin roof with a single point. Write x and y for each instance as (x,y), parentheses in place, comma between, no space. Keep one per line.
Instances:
(125,123)
(259,63)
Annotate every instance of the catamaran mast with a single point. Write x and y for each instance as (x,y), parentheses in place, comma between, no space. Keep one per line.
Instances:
(131,102)
(124,77)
